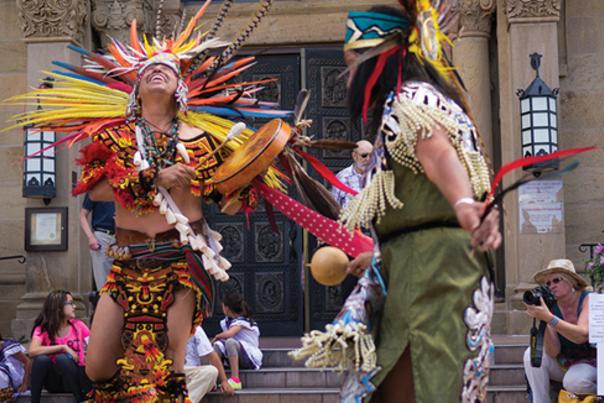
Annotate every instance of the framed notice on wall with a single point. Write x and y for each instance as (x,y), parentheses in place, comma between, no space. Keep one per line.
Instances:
(541,209)
(45,229)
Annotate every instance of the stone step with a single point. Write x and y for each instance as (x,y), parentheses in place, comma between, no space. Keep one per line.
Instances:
(506,375)
(270,395)
(278,358)
(49,398)
(509,353)
(507,394)
(294,377)
(496,394)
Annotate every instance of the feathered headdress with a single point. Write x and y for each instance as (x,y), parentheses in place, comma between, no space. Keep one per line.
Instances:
(102,93)
(381,35)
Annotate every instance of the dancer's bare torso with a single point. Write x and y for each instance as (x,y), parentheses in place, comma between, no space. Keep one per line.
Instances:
(153,222)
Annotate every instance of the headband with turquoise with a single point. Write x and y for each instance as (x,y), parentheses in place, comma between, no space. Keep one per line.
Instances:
(366,29)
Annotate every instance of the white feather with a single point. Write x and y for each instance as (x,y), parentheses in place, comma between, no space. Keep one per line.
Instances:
(182,150)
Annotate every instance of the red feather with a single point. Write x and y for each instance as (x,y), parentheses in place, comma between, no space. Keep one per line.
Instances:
(523,162)
(325,172)
(377,72)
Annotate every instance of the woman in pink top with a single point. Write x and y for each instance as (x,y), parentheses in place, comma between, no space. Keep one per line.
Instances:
(58,346)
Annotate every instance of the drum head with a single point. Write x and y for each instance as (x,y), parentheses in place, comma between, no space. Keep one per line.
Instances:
(253,158)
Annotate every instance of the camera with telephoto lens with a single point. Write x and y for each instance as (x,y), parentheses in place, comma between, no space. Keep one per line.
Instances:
(531,297)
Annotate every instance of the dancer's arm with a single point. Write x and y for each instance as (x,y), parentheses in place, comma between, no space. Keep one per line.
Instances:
(442,166)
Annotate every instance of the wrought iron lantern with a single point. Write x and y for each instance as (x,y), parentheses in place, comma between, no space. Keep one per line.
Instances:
(39,168)
(539,119)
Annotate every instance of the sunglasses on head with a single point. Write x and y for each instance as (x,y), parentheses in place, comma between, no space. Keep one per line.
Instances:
(555,280)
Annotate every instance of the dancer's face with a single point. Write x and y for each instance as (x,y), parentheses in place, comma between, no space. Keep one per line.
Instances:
(157,79)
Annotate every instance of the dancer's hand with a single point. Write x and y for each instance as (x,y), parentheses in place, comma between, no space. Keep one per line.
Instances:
(176,175)
(485,236)
(359,264)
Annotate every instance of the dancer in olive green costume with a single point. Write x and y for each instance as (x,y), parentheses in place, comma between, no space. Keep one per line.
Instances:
(423,204)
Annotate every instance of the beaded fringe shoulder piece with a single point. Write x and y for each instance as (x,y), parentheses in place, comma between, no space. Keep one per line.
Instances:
(409,116)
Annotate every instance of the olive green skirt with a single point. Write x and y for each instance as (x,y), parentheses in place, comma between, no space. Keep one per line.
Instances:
(439,305)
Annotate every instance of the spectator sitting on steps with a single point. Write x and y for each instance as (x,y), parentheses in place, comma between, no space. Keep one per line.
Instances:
(202,378)
(238,343)
(58,345)
(567,357)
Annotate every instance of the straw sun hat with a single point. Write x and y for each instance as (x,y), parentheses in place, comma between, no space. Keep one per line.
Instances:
(562,266)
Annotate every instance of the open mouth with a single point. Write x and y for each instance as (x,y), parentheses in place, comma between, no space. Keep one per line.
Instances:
(156,77)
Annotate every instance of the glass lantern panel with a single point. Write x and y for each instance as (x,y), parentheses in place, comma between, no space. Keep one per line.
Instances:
(542,149)
(32,148)
(539,103)
(526,121)
(542,136)
(49,137)
(49,165)
(553,118)
(32,165)
(50,152)
(540,119)
(527,151)
(29,177)
(554,137)
(526,137)
(32,136)
(45,177)
(525,105)
(552,104)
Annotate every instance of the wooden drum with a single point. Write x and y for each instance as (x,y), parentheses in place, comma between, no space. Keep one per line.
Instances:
(253,158)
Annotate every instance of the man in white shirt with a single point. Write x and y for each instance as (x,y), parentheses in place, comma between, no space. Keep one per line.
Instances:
(354,175)
(202,378)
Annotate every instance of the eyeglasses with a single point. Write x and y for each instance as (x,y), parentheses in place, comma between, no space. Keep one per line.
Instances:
(364,155)
(555,280)
(72,303)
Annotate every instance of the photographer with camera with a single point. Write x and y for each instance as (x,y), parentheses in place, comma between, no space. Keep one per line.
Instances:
(561,302)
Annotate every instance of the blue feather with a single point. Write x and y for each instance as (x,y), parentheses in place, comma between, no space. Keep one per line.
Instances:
(79,77)
(78,49)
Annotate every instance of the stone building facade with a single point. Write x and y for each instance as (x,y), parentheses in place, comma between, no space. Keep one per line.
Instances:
(491,51)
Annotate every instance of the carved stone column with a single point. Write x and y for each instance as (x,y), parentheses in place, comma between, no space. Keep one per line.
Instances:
(112,18)
(48,26)
(524,27)
(53,20)
(471,56)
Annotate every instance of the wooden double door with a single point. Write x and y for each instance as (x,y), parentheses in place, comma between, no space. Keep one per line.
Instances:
(268,266)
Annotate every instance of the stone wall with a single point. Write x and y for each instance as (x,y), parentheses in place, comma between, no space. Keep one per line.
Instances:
(13,80)
(582,123)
